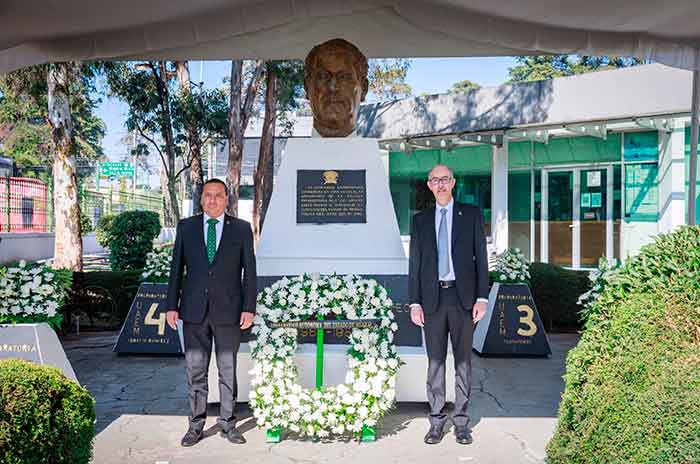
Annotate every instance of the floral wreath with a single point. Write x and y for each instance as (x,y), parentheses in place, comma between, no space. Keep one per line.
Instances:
(277,400)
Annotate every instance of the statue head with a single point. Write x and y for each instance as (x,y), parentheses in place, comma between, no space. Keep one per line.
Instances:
(335,80)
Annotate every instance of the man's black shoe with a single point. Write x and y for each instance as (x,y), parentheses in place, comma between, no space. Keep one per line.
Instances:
(434,435)
(191,437)
(463,435)
(233,435)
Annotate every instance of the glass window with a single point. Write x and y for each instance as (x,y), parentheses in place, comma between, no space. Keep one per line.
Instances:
(641,195)
(408,173)
(574,150)
(642,146)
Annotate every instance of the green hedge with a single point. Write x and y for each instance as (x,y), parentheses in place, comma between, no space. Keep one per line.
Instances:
(44,416)
(101,298)
(633,382)
(104,225)
(556,291)
(131,236)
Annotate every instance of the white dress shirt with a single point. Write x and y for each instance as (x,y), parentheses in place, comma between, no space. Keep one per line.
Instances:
(219,228)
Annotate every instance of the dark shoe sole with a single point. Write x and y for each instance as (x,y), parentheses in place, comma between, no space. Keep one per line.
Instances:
(241,441)
(187,444)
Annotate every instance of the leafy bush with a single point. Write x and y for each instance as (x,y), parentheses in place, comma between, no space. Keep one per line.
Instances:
(30,292)
(556,292)
(605,274)
(85,224)
(44,416)
(131,239)
(104,225)
(633,382)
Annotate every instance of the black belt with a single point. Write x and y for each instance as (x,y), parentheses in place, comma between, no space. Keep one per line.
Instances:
(447,283)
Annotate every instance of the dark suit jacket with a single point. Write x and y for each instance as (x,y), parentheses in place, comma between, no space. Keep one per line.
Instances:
(222,285)
(469,257)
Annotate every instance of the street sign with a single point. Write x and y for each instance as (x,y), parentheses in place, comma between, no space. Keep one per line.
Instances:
(117,169)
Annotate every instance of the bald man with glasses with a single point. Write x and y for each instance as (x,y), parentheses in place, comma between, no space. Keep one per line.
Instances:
(448,285)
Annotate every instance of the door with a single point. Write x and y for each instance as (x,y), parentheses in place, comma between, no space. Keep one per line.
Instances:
(577,224)
(560,217)
(593,216)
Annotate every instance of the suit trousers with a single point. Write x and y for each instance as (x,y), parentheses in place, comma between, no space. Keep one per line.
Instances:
(450,318)
(198,345)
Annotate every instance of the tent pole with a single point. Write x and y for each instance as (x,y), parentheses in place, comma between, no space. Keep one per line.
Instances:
(692,174)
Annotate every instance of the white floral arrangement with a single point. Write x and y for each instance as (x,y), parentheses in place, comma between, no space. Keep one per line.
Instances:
(511,267)
(157,268)
(277,400)
(32,293)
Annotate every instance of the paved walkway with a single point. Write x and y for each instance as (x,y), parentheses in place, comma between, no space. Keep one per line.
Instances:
(142,414)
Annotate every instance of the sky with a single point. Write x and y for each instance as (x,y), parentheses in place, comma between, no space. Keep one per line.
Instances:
(426,75)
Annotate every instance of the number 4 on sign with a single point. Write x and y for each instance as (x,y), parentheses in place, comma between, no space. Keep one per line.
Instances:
(150,320)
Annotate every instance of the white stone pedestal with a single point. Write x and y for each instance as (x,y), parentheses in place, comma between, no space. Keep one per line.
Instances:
(288,248)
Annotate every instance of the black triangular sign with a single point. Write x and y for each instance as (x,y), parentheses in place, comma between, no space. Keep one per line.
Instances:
(512,325)
(145,330)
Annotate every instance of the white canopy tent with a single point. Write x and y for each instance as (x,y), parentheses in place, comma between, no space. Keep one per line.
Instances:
(39,31)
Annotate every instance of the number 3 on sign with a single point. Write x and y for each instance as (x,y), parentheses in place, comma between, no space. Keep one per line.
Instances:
(527,320)
(150,320)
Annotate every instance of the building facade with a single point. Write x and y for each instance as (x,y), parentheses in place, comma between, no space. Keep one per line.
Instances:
(568,170)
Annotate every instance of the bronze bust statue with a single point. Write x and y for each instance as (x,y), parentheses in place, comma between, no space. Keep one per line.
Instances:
(335,80)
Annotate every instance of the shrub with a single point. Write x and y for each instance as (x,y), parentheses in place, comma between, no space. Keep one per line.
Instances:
(131,239)
(604,275)
(104,225)
(556,292)
(44,416)
(633,382)
(85,224)
(101,298)
(30,292)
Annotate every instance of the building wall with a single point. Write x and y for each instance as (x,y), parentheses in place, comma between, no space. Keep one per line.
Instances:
(37,246)
(635,208)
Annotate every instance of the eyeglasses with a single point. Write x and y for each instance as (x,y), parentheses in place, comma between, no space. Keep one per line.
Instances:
(439,180)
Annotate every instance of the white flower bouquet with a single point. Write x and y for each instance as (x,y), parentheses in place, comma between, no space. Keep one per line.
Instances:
(157,268)
(511,268)
(32,293)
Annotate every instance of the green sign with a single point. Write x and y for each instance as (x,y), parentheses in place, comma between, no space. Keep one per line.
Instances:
(117,169)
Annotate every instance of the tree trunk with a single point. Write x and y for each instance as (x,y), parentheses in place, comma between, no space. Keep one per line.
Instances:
(68,244)
(237,124)
(194,140)
(235,140)
(263,181)
(268,183)
(166,127)
(168,218)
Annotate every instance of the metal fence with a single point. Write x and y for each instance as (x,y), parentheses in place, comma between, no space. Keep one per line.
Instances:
(94,204)
(26,204)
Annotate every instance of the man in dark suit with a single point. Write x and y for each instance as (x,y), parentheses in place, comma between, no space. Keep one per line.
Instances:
(215,298)
(448,282)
